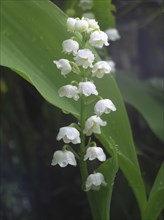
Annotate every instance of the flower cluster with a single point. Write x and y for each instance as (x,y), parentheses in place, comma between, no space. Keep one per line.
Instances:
(83,63)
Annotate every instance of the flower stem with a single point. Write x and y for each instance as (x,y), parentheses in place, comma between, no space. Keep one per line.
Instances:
(82,163)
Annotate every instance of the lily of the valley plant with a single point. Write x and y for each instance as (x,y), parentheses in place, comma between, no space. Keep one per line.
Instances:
(83,63)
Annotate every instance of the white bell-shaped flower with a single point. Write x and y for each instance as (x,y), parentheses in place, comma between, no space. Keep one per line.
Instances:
(69,91)
(98,39)
(63,158)
(69,134)
(95,181)
(95,152)
(71,24)
(100,68)
(92,25)
(70,46)
(113,34)
(87,88)
(84,58)
(92,125)
(86,4)
(104,106)
(64,66)
(81,25)
(112,65)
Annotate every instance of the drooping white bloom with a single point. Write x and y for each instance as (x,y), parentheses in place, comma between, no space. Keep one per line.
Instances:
(63,158)
(92,25)
(71,24)
(98,39)
(112,65)
(104,106)
(84,58)
(87,88)
(69,91)
(88,15)
(113,34)
(95,152)
(69,134)
(81,25)
(64,66)
(95,181)
(86,4)
(92,125)
(100,68)
(70,46)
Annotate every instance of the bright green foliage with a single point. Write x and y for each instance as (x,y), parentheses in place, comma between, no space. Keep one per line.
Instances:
(145,99)
(109,169)
(156,199)
(103,10)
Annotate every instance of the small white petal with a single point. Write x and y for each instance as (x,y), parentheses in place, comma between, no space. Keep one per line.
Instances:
(95,152)
(84,58)
(69,91)
(81,25)
(98,39)
(92,25)
(71,24)
(63,158)
(104,106)
(113,34)
(92,125)
(70,46)
(69,134)
(70,158)
(63,65)
(95,181)
(87,88)
(100,68)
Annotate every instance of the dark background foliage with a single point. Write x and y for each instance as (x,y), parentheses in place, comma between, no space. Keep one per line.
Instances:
(31,189)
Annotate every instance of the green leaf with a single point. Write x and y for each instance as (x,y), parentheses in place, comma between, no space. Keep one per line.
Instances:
(145,99)
(103,11)
(29,44)
(100,200)
(156,199)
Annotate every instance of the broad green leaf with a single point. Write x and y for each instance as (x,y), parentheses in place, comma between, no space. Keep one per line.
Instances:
(103,11)
(130,171)
(29,44)
(156,199)
(100,200)
(145,99)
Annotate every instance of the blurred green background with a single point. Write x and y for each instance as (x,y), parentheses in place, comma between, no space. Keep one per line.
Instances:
(33,190)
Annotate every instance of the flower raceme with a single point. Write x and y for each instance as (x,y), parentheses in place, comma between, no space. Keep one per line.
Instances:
(69,134)
(92,125)
(95,152)
(63,158)
(94,181)
(83,64)
(104,106)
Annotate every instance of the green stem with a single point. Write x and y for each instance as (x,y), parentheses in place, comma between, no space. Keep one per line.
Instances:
(82,163)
